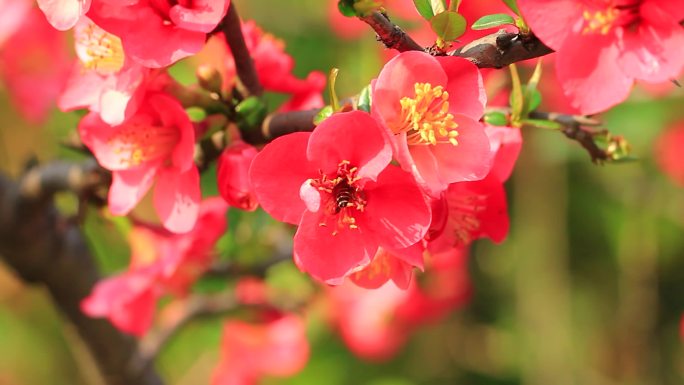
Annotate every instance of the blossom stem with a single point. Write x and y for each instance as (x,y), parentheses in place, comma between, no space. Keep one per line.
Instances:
(249,84)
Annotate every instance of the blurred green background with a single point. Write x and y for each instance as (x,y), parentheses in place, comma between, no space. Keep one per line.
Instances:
(587,289)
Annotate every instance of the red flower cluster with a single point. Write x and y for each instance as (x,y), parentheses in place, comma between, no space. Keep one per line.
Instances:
(363,218)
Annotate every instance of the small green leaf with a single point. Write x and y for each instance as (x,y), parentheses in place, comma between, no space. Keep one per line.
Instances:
(323,114)
(424,8)
(496,118)
(196,114)
(332,79)
(251,112)
(493,21)
(540,123)
(517,97)
(448,26)
(364,103)
(346,8)
(513,5)
(532,97)
(438,6)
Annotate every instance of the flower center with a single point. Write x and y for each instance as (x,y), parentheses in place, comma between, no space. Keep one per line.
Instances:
(426,118)
(98,50)
(344,195)
(625,14)
(464,214)
(135,144)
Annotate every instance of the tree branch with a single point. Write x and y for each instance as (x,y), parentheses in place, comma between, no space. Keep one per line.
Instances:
(390,34)
(501,49)
(194,307)
(249,84)
(44,248)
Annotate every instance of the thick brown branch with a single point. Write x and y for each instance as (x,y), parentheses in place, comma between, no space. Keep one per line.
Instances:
(44,248)
(249,84)
(389,34)
(280,124)
(501,49)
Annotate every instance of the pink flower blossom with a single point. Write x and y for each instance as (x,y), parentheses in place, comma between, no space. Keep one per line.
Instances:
(669,154)
(34,86)
(64,14)
(233,175)
(376,323)
(159,33)
(161,263)
(471,210)
(430,108)
(394,265)
(12,15)
(104,80)
(154,145)
(337,185)
(604,45)
(249,351)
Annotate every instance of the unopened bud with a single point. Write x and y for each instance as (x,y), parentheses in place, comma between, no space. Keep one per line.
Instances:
(209,78)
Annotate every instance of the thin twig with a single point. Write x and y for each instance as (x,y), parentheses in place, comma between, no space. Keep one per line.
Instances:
(249,84)
(196,306)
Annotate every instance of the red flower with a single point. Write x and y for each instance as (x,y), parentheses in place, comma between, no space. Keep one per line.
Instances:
(471,210)
(233,175)
(430,107)
(158,33)
(33,85)
(604,45)
(161,263)
(669,155)
(277,347)
(336,183)
(376,323)
(396,266)
(104,79)
(156,144)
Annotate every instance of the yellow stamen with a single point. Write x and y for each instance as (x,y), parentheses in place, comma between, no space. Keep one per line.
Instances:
(426,118)
(99,50)
(600,22)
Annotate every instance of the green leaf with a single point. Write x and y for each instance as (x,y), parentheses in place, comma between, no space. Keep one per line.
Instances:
(513,5)
(496,118)
(517,98)
(540,123)
(323,114)
(364,103)
(196,114)
(346,8)
(532,97)
(332,80)
(493,21)
(448,26)
(424,8)
(438,6)
(251,112)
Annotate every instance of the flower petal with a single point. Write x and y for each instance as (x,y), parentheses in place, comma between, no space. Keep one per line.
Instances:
(277,174)
(352,136)
(329,256)
(397,212)
(466,90)
(177,199)
(552,21)
(594,83)
(128,188)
